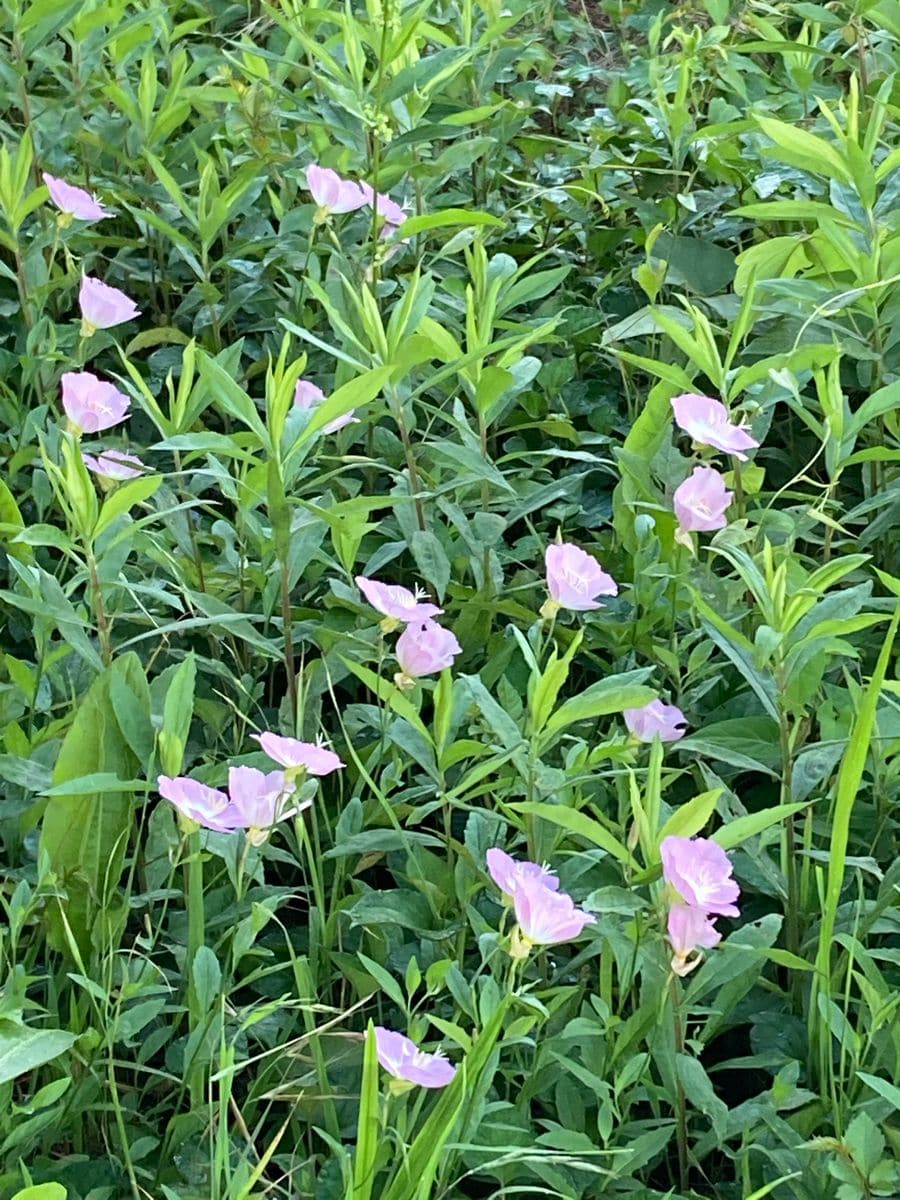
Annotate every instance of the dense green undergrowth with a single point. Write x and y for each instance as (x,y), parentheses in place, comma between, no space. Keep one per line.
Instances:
(608,204)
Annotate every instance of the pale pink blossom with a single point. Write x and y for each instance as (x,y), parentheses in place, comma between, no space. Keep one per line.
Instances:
(74,201)
(545,916)
(260,800)
(699,870)
(308,395)
(701,502)
(114,464)
(690,929)
(665,721)
(332,193)
(198,803)
(424,648)
(393,214)
(92,404)
(103,306)
(575,578)
(402,1058)
(707,423)
(509,874)
(396,602)
(313,758)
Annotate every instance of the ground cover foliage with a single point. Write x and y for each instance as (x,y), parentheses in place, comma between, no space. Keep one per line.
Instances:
(607,205)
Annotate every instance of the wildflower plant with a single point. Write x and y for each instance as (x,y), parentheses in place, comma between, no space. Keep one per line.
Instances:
(390,805)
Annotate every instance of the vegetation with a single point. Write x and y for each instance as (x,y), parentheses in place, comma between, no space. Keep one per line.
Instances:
(404,292)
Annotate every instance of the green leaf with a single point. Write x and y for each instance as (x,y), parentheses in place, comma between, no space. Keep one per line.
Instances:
(85,836)
(350,396)
(698,264)
(123,498)
(206,978)
(42,1191)
(24,1049)
(231,396)
(738,831)
(445,219)
(367,1125)
(802,149)
(700,1092)
(11,524)
(431,560)
(847,789)
(690,818)
(887,1091)
(580,824)
(178,710)
(610,695)
(385,690)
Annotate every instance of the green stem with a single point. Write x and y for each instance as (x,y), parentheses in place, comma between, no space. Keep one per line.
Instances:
(287,624)
(681,1130)
(100,613)
(193,883)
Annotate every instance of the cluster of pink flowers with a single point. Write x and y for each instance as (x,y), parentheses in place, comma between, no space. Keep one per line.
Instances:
(698,873)
(545,916)
(333,194)
(424,646)
(255,800)
(702,500)
(92,404)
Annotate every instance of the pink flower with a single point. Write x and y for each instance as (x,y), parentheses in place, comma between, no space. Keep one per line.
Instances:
(700,502)
(402,1058)
(114,464)
(90,403)
(509,875)
(308,396)
(700,872)
(74,201)
(260,800)
(545,916)
(424,647)
(103,306)
(707,422)
(311,757)
(332,193)
(655,719)
(203,805)
(396,602)
(393,214)
(574,578)
(690,929)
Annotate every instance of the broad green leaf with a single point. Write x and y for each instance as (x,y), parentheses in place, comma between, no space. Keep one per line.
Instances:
(888,1091)
(123,498)
(690,818)
(42,1191)
(805,150)
(610,695)
(85,836)
(21,1049)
